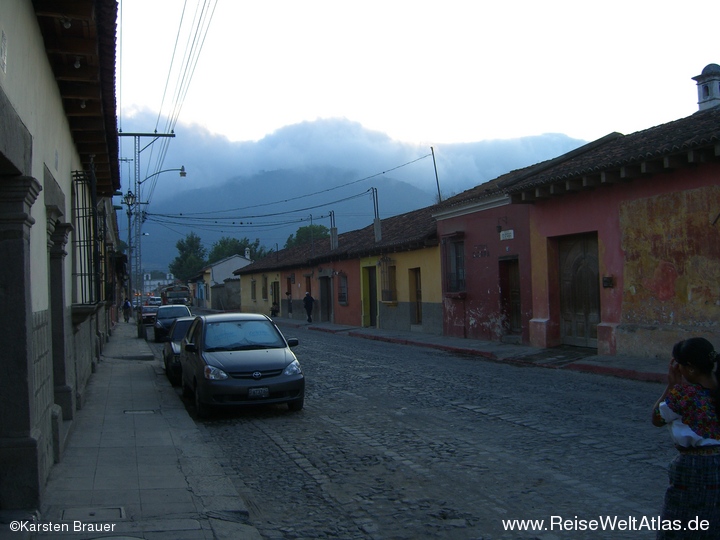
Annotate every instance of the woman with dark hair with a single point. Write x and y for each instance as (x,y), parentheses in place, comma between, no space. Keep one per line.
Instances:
(690,406)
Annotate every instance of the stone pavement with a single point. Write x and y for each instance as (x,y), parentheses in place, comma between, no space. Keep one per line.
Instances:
(136,464)
(575,358)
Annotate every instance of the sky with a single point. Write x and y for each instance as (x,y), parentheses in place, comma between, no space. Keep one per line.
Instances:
(419,71)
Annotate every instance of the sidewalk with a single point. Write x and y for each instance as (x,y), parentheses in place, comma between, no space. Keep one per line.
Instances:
(136,465)
(574,358)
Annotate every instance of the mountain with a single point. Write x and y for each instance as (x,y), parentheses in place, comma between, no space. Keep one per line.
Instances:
(271,206)
(269,188)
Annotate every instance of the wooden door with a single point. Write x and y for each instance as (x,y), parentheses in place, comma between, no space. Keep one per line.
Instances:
(370,302)
(415,296)
(579,290)
(510,295)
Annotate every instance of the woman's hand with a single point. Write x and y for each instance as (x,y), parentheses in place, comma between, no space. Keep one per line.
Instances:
(674,374)
(674,377)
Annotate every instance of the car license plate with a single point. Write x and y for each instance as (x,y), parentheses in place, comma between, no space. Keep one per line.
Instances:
(262,392)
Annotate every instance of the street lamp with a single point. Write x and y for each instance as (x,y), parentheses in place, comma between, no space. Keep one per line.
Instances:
(139,218)
(129,200)
(183,174)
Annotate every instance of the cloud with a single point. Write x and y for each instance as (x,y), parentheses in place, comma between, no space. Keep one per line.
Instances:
(211,159)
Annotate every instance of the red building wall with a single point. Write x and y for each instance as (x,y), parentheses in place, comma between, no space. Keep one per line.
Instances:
(295,282)
(477,312)
(349,313)
(657,242)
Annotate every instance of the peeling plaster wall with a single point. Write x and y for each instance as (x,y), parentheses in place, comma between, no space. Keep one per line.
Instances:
(672,267)
(657,241)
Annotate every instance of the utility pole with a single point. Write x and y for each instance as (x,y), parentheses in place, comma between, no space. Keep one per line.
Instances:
(138,213)
(437,181)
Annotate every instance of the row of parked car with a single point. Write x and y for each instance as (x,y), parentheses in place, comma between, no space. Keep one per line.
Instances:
(226,359)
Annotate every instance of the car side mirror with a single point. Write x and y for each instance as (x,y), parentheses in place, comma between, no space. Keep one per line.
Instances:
(191,347)
(292,342)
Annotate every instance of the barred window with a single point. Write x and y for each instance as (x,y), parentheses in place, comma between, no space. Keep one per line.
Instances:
(264,289)
(253,290)
(86,240)
(455,267)
(388,284)
(342,289)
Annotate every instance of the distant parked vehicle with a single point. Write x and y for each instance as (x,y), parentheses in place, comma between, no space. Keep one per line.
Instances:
(239,359)
(171,348)
(164,318)
(153,301)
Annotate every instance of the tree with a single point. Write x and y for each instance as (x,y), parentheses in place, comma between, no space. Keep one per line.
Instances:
(227,247)
(190,259)
(306,234)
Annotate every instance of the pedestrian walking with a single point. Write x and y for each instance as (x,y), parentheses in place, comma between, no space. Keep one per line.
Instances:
(308,302)
(690,406)
(126,308)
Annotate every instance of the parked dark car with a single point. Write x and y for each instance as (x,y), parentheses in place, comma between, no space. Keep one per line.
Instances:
(164,318)
(239,359)
(147,314)
(171,348)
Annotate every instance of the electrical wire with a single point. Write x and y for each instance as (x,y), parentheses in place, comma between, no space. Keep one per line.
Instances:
(210,221)
(200,27)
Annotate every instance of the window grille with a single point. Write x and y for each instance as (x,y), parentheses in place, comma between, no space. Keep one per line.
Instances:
(264,288)
(455,268)
(342,289)
(106,276)
(86,240)
(387,280)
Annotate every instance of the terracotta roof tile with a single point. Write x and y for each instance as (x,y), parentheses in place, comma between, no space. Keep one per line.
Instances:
(412,230)
(613,151)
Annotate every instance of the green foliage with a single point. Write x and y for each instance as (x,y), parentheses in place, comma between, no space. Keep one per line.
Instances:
(227,247)
(306,234)
(190,259)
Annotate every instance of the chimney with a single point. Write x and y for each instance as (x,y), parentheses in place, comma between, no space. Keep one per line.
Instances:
(247,253)
(708,85)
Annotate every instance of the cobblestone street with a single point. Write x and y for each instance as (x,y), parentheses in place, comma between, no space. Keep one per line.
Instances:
(401,442)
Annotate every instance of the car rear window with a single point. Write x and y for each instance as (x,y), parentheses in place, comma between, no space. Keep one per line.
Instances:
(173,312)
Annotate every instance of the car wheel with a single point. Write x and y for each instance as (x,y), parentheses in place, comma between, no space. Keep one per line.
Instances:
(200,408)
(296,405)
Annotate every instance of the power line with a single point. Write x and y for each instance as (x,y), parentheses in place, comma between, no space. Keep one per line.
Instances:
(215,212)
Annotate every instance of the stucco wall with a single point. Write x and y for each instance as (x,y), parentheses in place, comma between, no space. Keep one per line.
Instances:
(31,88)
(398,315)
(350,312)
(657,242)
(672,269)
(477,312)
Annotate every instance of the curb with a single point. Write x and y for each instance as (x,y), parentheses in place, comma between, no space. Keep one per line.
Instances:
(619,372)
(578,365)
